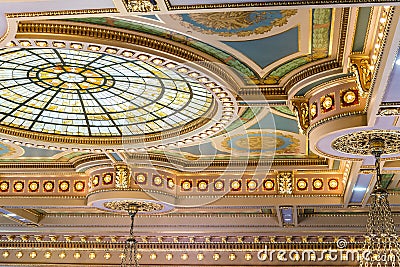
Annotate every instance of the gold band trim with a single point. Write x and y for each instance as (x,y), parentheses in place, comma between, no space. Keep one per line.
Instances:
(61,13)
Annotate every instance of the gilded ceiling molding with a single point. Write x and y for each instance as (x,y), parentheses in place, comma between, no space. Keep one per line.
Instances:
(173,196)
(62,13)
(181,164)
(224,255)
(269,92)
(325,66)
(312,70)
(65,166)
(179,167)
(210,243)
(159,161)
(167,183)
(389,111)
(301,109)
(360,65)
(328,101)
(62,166)
(317,68)
(268,4)
(383,27)
(38,185)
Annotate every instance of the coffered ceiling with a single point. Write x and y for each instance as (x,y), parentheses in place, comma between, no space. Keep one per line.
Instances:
(235,125)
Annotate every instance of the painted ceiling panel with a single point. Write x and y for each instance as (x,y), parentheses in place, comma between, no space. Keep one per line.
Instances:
(361,30)
(243,24)
(260,51)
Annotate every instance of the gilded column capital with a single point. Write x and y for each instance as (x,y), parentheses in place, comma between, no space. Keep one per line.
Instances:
(301,108)
(361,66)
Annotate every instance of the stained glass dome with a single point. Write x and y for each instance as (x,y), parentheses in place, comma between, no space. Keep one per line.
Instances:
(82,93)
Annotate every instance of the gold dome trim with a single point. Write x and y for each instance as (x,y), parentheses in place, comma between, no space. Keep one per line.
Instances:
(62,13)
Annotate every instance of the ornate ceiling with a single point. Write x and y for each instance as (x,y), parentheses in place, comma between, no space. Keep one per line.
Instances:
(236,126)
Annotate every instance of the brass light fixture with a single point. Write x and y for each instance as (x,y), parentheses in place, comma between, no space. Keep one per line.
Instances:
(130,255)
(381,245)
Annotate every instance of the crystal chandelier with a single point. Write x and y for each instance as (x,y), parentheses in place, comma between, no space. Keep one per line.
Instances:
(381,245)
(130,255)
(140,5)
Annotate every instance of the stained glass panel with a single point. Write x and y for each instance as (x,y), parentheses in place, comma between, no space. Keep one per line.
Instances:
(81,93)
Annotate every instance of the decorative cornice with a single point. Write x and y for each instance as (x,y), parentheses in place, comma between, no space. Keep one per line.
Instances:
(63,166)
(154,158)
(269,4)
(62,13)
(112,34)
(212,246)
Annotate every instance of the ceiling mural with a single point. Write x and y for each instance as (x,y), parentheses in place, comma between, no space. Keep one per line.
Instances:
(241,24)
(320,47)
(262,143)
(256,133)
(287,41)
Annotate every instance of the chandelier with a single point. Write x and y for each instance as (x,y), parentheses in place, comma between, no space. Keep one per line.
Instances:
(140,5)
(381,245)
(130,255)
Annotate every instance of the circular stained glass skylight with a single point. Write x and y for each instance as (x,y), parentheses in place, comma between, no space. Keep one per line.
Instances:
(81,93)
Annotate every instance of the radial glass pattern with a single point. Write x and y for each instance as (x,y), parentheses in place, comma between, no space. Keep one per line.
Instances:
(80,93)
